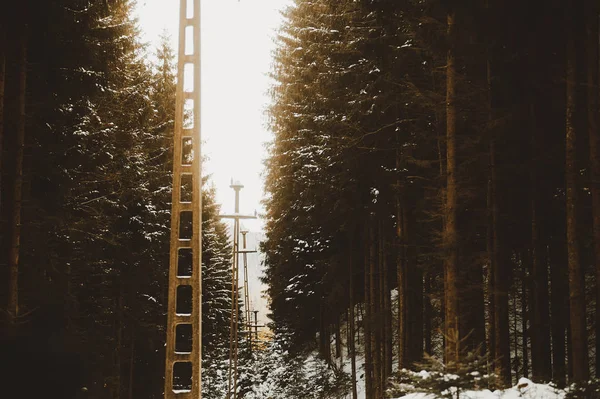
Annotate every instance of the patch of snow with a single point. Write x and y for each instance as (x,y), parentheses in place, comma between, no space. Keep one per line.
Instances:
(525,389)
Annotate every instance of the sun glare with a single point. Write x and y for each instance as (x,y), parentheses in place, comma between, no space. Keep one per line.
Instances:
(237,41)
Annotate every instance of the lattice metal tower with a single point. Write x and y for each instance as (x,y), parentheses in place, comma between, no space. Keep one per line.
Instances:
(232,380)
(246,287)
(184,350)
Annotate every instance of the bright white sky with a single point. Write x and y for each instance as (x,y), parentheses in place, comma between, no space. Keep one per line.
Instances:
(237,41)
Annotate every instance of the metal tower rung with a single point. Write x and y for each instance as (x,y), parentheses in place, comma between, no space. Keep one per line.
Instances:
(186,169)
(189,95)
(182,357)
(184,280)
(185,206)
(183,319)
(187,133)
(184,244)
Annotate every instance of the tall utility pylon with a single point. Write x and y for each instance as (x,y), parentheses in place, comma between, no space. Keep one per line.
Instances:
(246,288)
(232,377)
(184,321)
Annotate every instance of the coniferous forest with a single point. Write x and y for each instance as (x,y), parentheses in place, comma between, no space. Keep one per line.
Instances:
(87,131)
(432,202)
(434,186)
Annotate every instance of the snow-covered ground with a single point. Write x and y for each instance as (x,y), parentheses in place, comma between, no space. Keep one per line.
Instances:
(525,389)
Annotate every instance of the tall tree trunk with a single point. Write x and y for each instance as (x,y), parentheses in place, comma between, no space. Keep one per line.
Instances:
(386,307)
(367,319)
(569,349)
(576,276)
(427,313)
(15,226)
(524,317)
(329,333)
(515,332)
(490,272)
(559,307)
(540,322)
(501,323)
(472,308)
(413,288)
(440,139)
(401,281)
(2,80)
(119,344)
(3,55)
(450,236)
(351,343)
(490,249)
(501,282)
(498,263)
(338,340)
(382,315)
(324,335)
(594,138)
(389,336)
(373,302)
(131,363)
(361,318)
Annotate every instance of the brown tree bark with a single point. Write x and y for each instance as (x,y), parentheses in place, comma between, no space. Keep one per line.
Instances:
(594,140)
(361,318)
(471,308)
(491,254)
(427,313)
(401,282)
(17,187)
(386,310)
(540,322)
(373,304)
(389,338)
(2,79)
(367,318)
(515,332)
(559,307)
(501,283)
(119,352)
(524,319)
(569,349)
(450,235)
(490,288)
(3,51)
(131,363)
(413,297)
(576,276)
(338,341)
(381,313)
(351,343)
(325,335)
(498,263)
(322,339)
